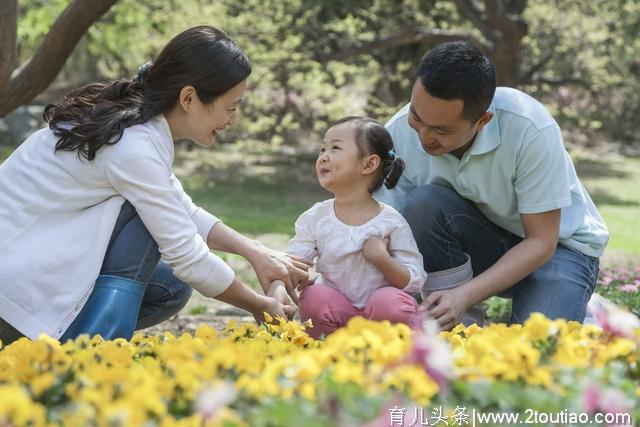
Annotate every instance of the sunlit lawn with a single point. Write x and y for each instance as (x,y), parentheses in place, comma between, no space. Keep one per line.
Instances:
(614,185)
(267,197)
(264,193)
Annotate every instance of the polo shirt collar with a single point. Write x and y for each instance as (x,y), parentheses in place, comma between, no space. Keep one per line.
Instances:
(488,138)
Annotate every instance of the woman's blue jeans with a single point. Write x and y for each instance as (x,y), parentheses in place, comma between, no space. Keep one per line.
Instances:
(133,254)
(446,226)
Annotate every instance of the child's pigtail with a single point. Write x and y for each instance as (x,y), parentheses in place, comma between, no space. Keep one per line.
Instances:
(393,168)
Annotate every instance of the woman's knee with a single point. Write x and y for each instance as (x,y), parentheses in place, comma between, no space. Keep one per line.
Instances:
(165,288)
(181,295)
(132,252)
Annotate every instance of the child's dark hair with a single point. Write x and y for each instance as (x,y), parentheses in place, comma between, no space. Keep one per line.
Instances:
(373,138)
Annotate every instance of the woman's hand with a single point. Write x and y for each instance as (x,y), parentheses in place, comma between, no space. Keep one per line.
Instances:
(278,290)
(268,264)
(274,308)
(242,296)
(309,282)
(271,265)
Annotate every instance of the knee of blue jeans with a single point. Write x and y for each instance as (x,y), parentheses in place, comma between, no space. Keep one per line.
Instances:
(182,295)
(427,202)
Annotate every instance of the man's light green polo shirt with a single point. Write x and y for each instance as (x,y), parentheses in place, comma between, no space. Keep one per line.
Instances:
(517,165)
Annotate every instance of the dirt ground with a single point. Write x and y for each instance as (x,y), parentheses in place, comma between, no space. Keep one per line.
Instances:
(185,322)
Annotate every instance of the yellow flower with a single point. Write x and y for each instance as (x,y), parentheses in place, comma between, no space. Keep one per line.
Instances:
(414,381)
(538,327)
(307,390)
(619,347)
(16,407)
(345,371)
(540,376)
(267,317)
(207,333)
(42,383)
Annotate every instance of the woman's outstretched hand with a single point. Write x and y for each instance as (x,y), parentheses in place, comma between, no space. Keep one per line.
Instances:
(274,308)
(278,290)
(271,265)
(242,296)
(268,264)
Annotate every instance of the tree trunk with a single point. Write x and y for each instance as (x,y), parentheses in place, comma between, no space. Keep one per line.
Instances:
(502,25)
(506,18)
(42,68)
(8,35)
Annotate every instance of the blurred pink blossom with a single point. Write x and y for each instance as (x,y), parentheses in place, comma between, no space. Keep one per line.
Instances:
(606,280)
(628,288)
(607,401)
(612,318)
(431,352)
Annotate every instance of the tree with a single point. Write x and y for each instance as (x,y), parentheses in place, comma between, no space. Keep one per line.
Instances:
(35,75)
(314,61)
(500,25)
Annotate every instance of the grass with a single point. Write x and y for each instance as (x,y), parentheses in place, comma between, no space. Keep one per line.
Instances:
(5,152)
(614,185)
(264,193)
(256,194)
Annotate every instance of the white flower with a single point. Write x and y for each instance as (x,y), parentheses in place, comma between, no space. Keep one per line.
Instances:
(212,399)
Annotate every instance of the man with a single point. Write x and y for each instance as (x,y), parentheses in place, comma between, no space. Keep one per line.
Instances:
(491,195)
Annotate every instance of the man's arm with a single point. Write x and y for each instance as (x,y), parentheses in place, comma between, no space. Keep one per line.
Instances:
(541,232)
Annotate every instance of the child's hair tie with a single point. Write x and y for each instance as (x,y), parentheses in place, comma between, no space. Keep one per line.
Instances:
(392,154)
(143,71)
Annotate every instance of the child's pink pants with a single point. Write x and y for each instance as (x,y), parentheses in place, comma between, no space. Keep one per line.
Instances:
(329,309)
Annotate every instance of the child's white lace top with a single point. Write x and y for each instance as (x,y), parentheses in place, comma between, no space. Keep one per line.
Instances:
(337,249)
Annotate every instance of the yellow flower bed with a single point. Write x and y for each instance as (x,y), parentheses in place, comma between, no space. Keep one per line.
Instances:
(502,352)
(194,380)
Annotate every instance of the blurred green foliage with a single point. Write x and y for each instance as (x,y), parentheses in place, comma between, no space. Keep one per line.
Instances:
(580,58)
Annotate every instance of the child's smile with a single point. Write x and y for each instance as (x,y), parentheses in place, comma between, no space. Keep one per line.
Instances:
(337,163)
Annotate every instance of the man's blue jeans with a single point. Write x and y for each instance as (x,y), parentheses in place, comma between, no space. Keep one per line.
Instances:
(133,254)
(446,226)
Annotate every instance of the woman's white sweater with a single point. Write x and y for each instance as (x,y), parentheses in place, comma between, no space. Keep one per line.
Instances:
(58,211)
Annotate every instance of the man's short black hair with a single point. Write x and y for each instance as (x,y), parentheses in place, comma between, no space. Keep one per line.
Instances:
(458,70)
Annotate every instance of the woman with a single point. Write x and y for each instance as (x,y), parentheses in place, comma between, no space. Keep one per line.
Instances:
(90,205)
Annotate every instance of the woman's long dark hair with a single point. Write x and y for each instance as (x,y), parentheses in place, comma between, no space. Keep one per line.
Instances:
(97,114)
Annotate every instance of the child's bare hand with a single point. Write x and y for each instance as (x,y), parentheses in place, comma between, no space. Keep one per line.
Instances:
(374,248)
(278,290)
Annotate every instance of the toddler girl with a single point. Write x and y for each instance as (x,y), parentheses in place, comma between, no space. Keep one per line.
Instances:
(367,259)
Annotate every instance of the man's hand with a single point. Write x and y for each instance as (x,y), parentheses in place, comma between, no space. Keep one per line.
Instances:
(447,307)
